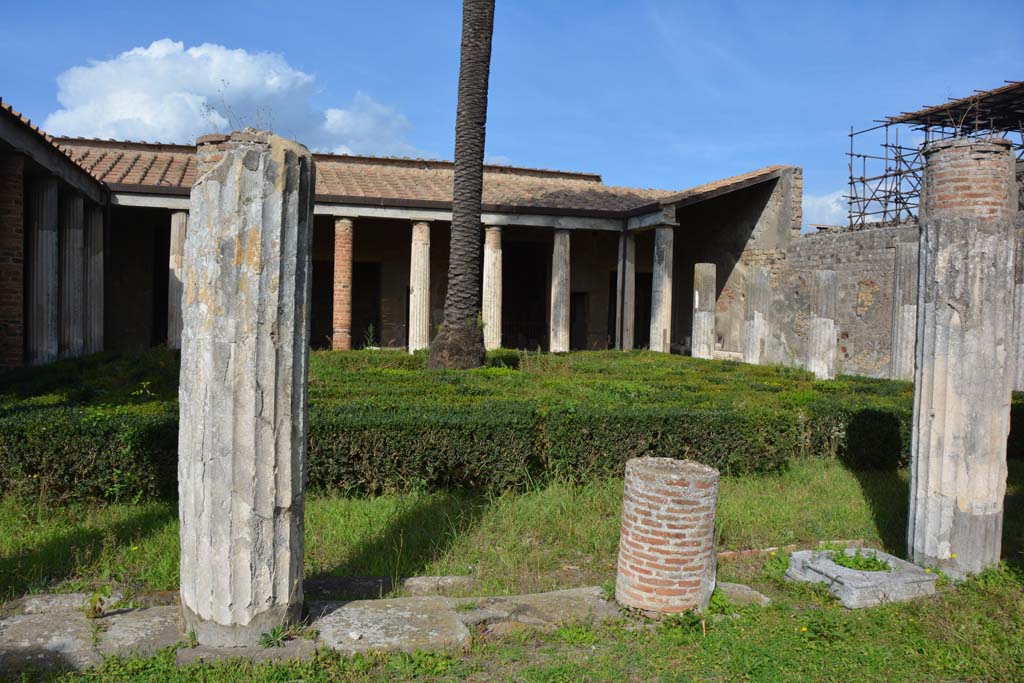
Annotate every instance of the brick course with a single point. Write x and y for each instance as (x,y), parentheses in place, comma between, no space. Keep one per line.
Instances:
(12,259)
(667,546)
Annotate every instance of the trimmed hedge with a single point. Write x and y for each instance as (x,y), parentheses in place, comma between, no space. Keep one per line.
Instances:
(106,427)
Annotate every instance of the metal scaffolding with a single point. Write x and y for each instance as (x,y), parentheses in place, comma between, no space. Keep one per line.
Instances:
(885,186)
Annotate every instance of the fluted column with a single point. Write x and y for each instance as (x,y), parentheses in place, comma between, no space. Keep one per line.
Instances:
(702,341)
(821,338)
(43,268)
(419,287)
(904,312)
(341,339)
(243,389)
(661,290)
(93,279)
(72,263)
(560,287)
(755,320)
(492,288)
(175,272)
(963,374)
(625,312)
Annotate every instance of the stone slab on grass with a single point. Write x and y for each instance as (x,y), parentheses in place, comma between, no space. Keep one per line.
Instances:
(439,585)
(542,610)
(299,649)
(399,624)
(58,640)
(742,596)
(138,631)
(856,588)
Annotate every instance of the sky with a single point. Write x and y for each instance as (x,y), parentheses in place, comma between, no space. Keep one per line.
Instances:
(647,93)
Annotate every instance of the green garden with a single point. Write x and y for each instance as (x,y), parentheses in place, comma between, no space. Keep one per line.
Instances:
(512,474)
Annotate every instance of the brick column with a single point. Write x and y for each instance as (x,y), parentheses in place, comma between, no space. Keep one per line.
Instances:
(93,279)
(625,291)
(175,273)
(963,375)
(661,290)
(492,288)
(72,264)
(558,340)
(419,287)
(12,258)
(667,545)
(341,339)
(43,298)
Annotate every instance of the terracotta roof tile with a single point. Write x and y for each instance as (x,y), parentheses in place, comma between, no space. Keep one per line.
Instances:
(25,121)
(383,180)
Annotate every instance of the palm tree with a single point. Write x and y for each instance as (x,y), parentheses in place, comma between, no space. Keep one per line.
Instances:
(460,342)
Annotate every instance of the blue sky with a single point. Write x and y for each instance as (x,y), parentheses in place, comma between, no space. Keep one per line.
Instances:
(647,93)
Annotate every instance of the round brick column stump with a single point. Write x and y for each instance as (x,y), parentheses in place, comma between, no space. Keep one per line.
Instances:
(667,545)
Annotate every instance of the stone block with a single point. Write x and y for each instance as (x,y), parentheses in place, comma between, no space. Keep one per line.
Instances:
(856,588)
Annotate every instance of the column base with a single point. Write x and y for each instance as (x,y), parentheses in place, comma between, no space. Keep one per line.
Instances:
(212,634)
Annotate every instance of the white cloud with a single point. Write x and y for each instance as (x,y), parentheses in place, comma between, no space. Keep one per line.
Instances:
(168,93)
(825,209)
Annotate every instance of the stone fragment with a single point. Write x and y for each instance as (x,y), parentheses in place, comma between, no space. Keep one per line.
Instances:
(399,624)
(244,357)
(964,366)
(439,585)
(855,588)
(138,631)
(741,596)
(46,641)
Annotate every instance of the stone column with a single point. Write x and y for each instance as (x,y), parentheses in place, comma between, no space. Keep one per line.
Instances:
(626,292)
(667,545)
(904,312)
(72,262)
(1018,311)
(419,287)
(560,287)
(821,337)
(175,272)
(963,374)
(43,289)
(93,279)
(661,290)
(244,361)
(755,320)
(492,288)
(702,341)
(344,231)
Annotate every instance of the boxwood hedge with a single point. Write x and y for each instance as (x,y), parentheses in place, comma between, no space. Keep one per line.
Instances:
(105,427)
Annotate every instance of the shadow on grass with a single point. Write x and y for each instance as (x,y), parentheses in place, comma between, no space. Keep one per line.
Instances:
(875,438)
(417,534)
(60,556)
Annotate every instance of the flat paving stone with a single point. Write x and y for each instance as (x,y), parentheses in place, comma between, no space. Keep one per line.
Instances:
(46,641)
(138,631)
(543,610)
(399,624)
(741,596)
(439,585)
(298,649)
(856,588)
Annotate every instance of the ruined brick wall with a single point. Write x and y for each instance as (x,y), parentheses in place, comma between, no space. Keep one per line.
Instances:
(864,261)
(12,259)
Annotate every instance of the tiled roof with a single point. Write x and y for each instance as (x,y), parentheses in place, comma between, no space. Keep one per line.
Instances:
(23,120)
(390,181)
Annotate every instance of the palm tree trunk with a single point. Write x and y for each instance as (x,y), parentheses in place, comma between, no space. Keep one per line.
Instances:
(460,343)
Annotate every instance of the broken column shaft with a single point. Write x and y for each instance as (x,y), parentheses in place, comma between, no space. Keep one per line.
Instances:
(244,357)
(963,378)
(755,321)
(702,340)
(821,337)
